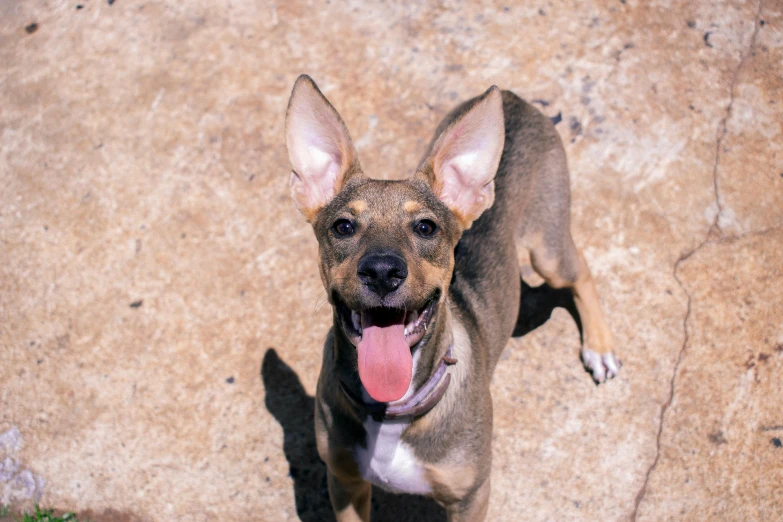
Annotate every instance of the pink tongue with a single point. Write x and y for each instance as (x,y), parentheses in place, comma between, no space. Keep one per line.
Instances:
(385,363)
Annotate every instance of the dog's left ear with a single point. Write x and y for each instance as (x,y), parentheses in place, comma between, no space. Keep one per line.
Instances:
(320,150)
(463,161)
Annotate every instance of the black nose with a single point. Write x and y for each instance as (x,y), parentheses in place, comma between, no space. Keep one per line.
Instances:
(383,273)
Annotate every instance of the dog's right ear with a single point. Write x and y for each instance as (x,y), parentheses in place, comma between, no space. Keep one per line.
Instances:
(320,150)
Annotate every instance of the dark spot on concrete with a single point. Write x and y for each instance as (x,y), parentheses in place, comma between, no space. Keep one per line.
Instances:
(691,107)
(506,8)
(691,24)
(136,304)
(762,23)
(541,12)
(251,177)
(574,125)
(776,442)
(182,236)
(33,27)
(779,348)
(577,504)
(242,293)
(622,2)
(79,7)
(64,342)
(230,380)
(707,38)
(39,361)
(557,118)
(763,357)
(111,2)
(110,515)
(628,45)
(717,438)
(267,479)
(542,103)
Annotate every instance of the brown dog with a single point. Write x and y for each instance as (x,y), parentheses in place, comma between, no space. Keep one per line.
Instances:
(424,280)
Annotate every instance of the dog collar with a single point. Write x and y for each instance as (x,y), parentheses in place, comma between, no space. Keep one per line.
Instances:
(420,403)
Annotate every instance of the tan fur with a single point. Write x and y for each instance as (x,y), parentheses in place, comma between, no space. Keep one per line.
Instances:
(473,508)
(412,206)
(450,483)
(548,265)
(358,206)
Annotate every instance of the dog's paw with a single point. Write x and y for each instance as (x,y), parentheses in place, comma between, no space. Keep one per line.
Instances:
(601,367)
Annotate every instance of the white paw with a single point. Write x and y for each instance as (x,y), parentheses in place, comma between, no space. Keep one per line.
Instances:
(602,367)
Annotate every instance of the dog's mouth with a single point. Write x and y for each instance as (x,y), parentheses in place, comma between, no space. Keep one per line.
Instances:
(384,339)
(415,323)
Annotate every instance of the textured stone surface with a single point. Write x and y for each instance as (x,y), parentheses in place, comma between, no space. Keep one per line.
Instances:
(150,256)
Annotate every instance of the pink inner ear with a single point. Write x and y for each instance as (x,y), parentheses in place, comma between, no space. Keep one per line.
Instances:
(466,159)
(462,189)
(468,167)
(314,148)
(314,178)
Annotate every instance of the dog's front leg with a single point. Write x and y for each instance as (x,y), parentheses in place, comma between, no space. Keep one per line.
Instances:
(472,508)
(350,498)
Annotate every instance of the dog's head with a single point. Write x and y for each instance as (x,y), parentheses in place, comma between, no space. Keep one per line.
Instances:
(387,247)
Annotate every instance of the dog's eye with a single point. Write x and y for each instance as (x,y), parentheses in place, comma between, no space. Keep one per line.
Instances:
(425,227)
(343,227)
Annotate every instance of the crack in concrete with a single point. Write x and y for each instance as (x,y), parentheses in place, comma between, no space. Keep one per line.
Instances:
(724,122)
(709,237)
(762,232)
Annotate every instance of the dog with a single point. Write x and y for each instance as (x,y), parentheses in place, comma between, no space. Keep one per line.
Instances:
(424,281)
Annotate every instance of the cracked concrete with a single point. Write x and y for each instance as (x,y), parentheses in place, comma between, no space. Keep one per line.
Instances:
(150,255)
(715,227)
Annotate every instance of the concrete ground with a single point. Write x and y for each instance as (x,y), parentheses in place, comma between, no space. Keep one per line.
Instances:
(161,313)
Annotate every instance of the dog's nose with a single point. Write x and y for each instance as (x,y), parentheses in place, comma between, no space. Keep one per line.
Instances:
(383,273)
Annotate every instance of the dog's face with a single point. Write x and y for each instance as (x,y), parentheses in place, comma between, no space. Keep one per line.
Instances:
(387,252)
(387,247)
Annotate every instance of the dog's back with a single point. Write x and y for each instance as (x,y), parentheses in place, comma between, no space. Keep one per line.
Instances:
(531,195)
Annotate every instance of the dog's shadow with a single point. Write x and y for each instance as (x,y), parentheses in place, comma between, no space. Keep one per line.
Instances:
(537,304)
(293,408)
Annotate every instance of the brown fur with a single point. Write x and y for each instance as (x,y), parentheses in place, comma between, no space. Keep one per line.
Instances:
(471,265)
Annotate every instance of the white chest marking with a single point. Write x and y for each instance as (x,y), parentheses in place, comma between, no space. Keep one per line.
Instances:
(388,462)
